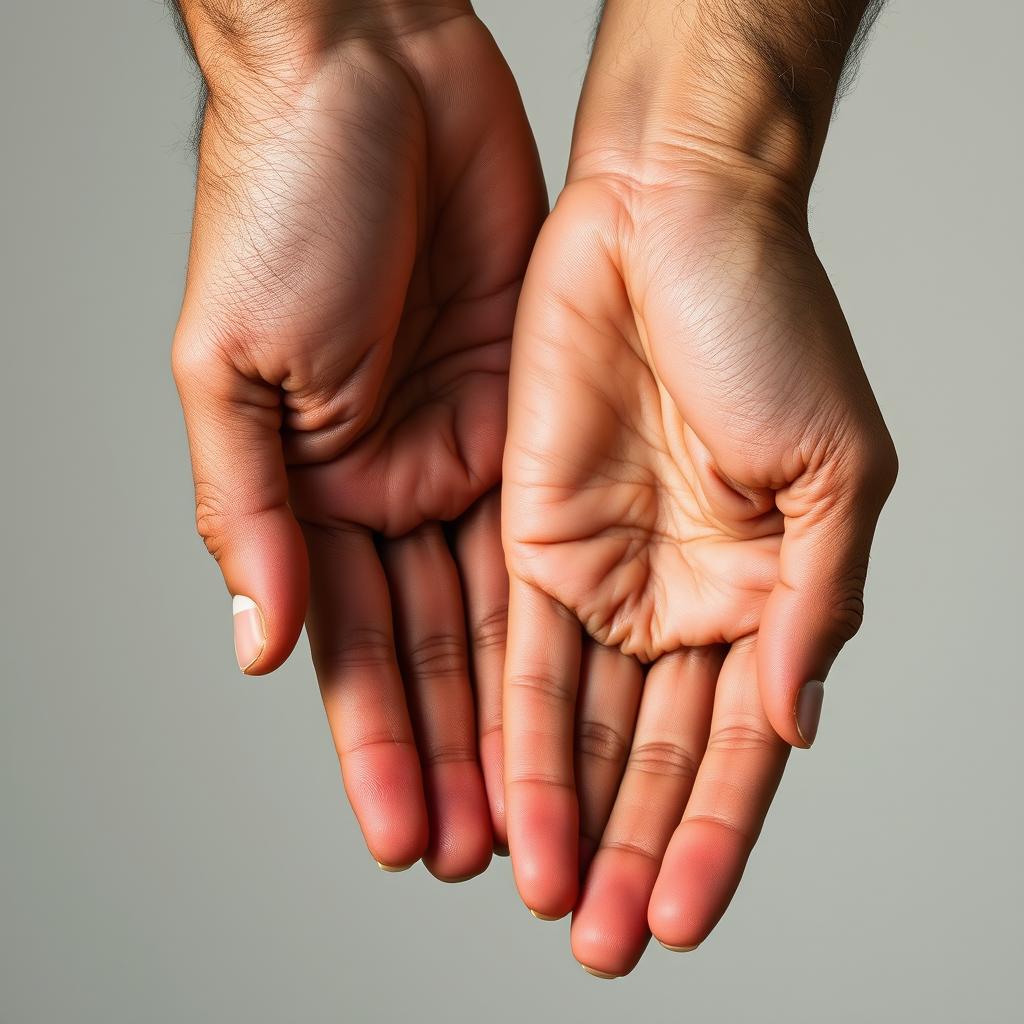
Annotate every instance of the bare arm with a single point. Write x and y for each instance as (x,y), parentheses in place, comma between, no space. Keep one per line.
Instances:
(756,78)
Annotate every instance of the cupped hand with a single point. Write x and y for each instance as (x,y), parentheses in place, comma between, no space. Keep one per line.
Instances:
(363,222)
(694,469)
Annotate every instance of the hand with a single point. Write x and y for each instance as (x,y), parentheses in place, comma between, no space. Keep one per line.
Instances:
(365,209)
(694,469)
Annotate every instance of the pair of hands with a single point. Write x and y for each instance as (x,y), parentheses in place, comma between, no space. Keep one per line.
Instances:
(693,468)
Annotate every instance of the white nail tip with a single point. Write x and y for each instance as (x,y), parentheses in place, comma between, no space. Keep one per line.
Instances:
(240,603)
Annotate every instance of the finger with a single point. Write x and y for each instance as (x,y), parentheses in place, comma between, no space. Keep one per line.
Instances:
(817,605)
(481,565)
(610,685)
(430,635)
(542,666)
(242,500)
(350,636)
(734,787)
(609,927)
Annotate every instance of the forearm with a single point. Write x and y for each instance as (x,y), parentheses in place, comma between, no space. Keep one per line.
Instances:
(747,80)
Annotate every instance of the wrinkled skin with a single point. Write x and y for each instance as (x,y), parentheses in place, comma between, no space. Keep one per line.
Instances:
(358,250)
(694,468)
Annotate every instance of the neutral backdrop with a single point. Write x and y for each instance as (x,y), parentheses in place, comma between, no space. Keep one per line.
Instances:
(174,841)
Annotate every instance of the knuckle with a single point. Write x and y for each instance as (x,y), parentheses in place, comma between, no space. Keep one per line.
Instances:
(437,655)
(544,684)
(600,741)
(664,758)
(490,630)
(636,847)
(536,776)
(726,824)
(192,359)
(847,608)
(449,753)
(362,647)
(889,469)
(368,741)
(211,517)
(738,736)
(875,464)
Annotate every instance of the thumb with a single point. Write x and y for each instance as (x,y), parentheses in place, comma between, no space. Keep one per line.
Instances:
(817,605)
(242,512)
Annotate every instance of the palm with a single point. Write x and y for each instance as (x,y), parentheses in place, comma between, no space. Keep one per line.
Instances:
(387,300)
(619,527)
(625,513)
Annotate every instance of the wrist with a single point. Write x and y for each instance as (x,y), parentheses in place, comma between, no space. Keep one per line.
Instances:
(276,50)
(689,82)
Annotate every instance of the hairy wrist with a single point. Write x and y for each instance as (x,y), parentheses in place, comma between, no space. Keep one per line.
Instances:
(277,46)
(749,83)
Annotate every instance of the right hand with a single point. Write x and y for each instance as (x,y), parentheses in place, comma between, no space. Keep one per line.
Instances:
(360,236)
(694,468)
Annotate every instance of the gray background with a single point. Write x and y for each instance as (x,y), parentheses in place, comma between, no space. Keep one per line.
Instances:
(175,843)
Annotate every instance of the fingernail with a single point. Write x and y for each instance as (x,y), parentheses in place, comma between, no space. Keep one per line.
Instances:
(544,917)
(808,709)
(392,869)
(678,949)
(250,637)
(599,974)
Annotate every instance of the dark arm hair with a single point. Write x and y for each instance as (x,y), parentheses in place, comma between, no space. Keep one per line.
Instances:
(808,50)
(178,20)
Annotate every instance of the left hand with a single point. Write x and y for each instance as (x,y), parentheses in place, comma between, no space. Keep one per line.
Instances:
(342,356)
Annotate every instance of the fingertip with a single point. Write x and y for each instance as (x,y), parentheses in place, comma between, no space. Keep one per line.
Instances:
(396,849)
(543,835)
(609,926)
(793,708)
(397,843)
(461,841)
(460,866)
(546,917)
(807,712)
(387,797)
(266,569)
(603,975)
(547,889)
(393,869)
(250,632)
(673,927)
(455,876)
(547,897)
(781,676)
(677,949)
(697,881)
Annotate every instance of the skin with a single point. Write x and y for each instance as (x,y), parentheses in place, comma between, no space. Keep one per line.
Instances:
(367,198)
(694,468)
(695,461)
